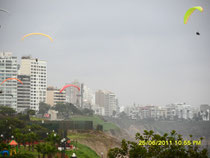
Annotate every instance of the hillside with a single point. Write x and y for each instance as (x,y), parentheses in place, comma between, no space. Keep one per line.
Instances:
(98,141)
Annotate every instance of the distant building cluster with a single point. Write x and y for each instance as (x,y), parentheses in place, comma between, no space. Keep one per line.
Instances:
(169,112)
(33,90)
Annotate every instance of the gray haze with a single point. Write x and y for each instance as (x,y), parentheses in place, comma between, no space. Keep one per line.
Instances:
(139,49)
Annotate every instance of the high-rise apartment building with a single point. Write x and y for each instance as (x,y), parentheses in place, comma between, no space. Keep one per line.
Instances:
(54,96)
(23,93)
(73,95)
(37,70)
(107,100)
(88,97)
(8,69)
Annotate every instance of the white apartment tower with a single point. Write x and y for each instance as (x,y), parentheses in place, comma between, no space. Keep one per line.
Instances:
(107,100)
(88,97)
(73,95)
(8,90)
(37,70)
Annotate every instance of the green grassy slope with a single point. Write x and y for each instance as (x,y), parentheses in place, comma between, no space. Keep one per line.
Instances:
(82,151)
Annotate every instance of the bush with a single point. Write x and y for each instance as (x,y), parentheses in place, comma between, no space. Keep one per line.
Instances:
(143,149)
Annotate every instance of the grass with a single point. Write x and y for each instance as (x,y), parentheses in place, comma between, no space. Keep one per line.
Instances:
(74,136)
(96,120)
(36,119)
(82,151)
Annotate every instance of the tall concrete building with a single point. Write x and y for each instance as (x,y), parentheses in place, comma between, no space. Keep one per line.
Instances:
(37,70)
(23,93)
(8,69)
(88,97)
(107,100)
(73,95)
(100,98)
(54,96)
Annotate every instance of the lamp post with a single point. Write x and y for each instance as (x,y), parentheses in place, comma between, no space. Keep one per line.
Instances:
(74,155)
(63,145)
(102,154)
(2,137)
(9,133)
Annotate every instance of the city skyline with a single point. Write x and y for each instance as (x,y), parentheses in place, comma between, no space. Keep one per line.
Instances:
(122,46)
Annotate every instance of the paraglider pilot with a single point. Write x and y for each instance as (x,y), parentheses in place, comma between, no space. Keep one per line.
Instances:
(198,33)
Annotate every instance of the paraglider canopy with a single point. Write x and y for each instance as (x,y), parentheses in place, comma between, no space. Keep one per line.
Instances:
(42,34)
(12,79)
(190,11)
(69,85)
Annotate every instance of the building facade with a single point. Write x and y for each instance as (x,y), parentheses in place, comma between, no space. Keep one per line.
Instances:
(107,100)
(23,93)
(37,70)
(54,96)
(88,97)
(8,69)
(73,95)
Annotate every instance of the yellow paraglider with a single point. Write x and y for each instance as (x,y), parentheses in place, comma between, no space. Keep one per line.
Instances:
(37,34)
(190,11)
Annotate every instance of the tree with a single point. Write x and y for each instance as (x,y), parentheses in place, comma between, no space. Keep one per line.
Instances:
(23,155)
(114,113)
(43,108)
(88,112)
(18,136)
(64,110)
(31,112)
(38,148)
(7,111)
(48,149)
(53,138)
(32,138)
(150,145)
(123,115)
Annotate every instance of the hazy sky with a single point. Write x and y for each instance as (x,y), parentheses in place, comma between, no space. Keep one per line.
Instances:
(139,49)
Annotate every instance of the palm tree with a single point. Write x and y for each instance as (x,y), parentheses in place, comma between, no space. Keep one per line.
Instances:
(48,149)
(34,138)
(38,148)
(29,140)
(18,136)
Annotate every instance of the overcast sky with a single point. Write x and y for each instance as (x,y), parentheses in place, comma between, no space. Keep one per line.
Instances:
(139,49)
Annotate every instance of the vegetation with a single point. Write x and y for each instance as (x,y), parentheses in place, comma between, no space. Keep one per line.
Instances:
(7,111)
(43,108)
(82,151)
(147,147)
(65,110)
(47,148)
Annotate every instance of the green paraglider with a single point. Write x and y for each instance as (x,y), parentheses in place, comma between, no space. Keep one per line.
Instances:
(190,11)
